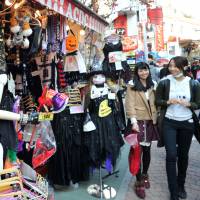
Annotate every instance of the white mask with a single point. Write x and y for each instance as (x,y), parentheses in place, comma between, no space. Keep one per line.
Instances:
(98,79)
(178,75)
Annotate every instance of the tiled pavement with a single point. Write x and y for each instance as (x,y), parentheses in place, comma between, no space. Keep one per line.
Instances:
(159,190)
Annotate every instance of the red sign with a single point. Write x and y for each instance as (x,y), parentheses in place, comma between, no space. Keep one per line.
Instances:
(130,43)
(76,12)
(120,24)
(155,16)
(159,38)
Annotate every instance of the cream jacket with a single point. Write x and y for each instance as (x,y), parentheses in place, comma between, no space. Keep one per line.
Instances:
(136,105)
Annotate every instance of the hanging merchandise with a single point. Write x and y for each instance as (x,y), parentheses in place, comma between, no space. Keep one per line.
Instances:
(71,42)
(52,100)
(71,154)
(115,59)
(74,62)
(45,146)
(20,29)
(2,50)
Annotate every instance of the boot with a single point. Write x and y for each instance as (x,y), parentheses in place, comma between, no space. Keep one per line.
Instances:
(174,198)
(181,192)
(140,189)
(145,179)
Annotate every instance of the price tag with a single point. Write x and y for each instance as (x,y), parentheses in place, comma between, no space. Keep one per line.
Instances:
(45,116)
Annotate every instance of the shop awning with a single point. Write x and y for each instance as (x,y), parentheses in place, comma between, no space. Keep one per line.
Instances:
(75,10)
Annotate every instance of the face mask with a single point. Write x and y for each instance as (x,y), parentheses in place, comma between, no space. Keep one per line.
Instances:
(178,75)
(99,79)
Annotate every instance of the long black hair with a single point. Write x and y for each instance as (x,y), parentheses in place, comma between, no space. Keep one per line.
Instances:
(136,79)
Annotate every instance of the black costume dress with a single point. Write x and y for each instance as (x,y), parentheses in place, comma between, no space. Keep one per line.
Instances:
(70,162)
(104,142)
(8,135)
(110,68)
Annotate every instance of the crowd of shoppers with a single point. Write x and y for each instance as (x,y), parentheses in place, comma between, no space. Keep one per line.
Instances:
(176,96)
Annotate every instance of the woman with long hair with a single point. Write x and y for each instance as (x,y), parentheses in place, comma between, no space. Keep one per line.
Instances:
(178,96)
(141,111)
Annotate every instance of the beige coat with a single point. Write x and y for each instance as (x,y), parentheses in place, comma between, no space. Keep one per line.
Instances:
(137,106)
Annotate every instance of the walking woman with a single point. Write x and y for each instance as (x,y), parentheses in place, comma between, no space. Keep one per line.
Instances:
(177,95)
(141,111)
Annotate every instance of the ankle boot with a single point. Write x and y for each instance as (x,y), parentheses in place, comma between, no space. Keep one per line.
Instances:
(174,197)
(181,192)
(140,189)
(145,179)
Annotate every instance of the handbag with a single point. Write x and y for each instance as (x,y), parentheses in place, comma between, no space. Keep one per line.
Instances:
(196,126)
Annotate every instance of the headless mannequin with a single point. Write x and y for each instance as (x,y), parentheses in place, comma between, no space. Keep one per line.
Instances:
(7,115)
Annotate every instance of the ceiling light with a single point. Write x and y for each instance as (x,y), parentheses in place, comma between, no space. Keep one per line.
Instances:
(82,32)
(9,2)
(21,3)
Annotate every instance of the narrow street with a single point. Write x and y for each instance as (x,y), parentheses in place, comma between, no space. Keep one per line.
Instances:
(159,190)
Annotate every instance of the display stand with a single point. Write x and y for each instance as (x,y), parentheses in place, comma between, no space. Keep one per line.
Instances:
(103,191)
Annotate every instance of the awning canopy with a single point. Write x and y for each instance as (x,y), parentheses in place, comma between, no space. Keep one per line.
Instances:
(78,12)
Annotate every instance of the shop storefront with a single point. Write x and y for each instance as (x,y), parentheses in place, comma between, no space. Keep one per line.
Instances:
(53,54)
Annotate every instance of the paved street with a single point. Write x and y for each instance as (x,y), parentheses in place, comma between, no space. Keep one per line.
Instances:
(159,190)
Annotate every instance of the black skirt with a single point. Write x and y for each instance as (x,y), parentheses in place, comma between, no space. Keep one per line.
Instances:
(70,163)
(104,142)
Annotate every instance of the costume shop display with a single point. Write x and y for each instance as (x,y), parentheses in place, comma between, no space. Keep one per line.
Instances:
(103,135)
(58,123)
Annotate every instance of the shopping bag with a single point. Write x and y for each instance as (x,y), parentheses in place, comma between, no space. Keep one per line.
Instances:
(131,139)
(134,159)
(45,146)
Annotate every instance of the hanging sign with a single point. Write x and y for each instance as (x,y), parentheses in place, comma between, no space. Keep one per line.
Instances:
(159,38)
(130,43)
(143,13)
(77,12)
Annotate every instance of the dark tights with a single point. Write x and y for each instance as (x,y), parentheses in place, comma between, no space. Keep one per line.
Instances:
(145,162)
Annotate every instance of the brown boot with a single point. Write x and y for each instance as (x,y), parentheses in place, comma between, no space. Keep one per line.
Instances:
(140,189)
(145,178)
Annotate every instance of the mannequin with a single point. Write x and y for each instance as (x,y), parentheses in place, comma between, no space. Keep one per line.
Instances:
(105,141)
(5,117)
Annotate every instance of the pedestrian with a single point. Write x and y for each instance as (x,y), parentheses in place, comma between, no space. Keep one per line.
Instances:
(141,111)
(177,95)
(164,71)
(154,69)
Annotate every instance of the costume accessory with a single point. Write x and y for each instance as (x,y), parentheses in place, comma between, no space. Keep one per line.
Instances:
(88,124)
(71,42)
